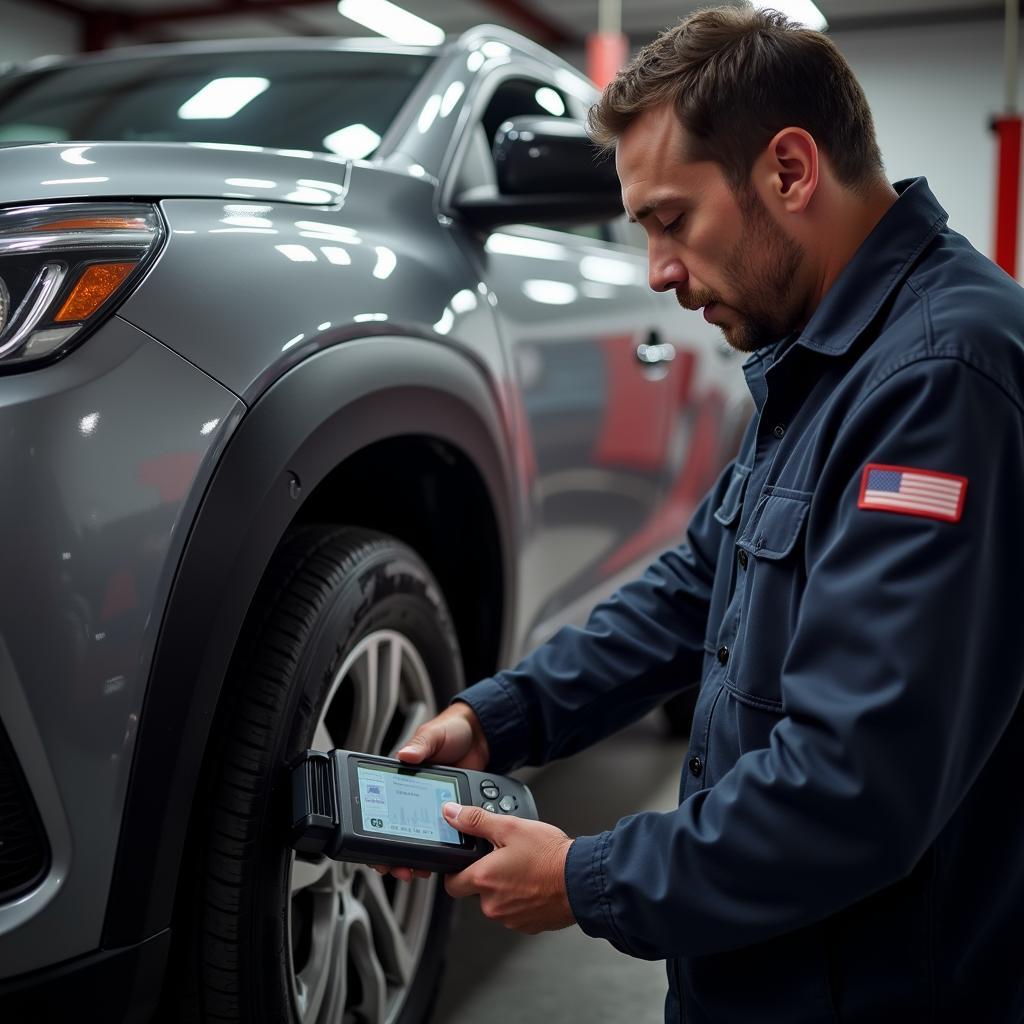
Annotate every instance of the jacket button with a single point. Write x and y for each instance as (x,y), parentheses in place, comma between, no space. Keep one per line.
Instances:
(779,431)
(742,556)
(696,766)
(723,655)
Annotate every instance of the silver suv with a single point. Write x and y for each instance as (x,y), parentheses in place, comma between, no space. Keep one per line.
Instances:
(329,380)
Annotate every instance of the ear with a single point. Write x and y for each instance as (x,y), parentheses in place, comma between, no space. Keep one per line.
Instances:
(789,169)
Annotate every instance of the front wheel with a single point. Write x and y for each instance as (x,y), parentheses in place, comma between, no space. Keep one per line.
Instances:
(349,644)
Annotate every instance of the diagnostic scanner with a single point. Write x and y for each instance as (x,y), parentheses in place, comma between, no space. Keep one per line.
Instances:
(376,810)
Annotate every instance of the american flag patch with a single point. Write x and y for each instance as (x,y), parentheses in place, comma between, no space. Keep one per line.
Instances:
(914,492)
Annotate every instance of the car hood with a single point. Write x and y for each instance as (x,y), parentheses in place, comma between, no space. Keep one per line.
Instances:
(162,170)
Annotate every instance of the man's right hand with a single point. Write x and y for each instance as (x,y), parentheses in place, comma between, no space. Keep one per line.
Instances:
(454,738)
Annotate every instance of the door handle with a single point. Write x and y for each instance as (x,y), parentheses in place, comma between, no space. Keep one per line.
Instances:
(654,351)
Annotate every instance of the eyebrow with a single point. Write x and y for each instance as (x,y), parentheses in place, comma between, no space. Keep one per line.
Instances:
(654,204)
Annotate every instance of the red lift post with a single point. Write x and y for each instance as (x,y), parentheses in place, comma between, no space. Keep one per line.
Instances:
(608,48)
(1008,133)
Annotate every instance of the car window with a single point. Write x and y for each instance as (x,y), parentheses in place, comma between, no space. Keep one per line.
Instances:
(515,97)
(340,102)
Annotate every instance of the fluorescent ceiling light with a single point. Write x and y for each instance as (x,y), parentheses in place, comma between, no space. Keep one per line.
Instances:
(428,115)
(297,253)
(355,142)
(550,101)
(337,255)
(222,98)
(389,20)
(386,262)
(452,95)
(801,11)
(517,245)
(604,270)
(463,302)
(551,293)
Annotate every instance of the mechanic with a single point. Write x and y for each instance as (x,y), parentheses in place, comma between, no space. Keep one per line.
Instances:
(849,843)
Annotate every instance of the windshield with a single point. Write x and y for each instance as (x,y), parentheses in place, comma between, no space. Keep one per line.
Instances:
(338,102)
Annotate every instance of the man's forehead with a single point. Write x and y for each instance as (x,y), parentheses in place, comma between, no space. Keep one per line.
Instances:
(651,162)
(654,138)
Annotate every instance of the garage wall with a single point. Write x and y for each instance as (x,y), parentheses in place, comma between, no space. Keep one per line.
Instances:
(933,91)
(27,31)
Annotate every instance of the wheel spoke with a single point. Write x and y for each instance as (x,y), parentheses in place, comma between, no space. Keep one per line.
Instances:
(311,983)
(363,676)
(307,874)
(388,658)
(363,954)
(336,988)
(391,943)
(322,738)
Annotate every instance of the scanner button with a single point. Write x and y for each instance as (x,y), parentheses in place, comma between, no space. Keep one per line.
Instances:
(508,803)
(491,806)
(489,790)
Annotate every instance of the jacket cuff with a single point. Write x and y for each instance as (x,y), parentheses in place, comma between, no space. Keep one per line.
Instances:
(585,886)
(503,721)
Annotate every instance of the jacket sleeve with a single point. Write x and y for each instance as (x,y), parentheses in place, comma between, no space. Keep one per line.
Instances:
(637,648)
(905,666)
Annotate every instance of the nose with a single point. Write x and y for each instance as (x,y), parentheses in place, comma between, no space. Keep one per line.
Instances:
(665,273)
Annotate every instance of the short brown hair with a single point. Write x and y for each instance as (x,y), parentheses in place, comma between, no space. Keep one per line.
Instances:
(736,77)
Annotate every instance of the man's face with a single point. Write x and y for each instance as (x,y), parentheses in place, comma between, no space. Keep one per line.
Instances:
(718,250)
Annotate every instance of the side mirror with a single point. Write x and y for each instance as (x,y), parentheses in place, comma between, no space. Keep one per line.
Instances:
(548,171)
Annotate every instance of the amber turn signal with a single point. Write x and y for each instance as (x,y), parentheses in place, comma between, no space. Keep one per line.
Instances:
(94,287)
(94,224)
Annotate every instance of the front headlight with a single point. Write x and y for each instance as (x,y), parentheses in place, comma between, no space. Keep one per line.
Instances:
(62,267)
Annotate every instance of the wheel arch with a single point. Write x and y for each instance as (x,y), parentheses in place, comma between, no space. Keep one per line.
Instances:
(308,450)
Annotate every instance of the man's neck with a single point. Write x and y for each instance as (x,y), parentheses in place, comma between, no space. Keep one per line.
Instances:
(849,224)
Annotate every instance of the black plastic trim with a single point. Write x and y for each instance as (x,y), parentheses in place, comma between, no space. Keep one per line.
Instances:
(321,412)
(21,828)
(115,985)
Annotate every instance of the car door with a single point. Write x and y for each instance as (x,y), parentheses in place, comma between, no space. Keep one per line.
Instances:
(708,407)
(590,372)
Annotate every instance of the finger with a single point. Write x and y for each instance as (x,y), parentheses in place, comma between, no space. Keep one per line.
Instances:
(443,740)
(403,874)
(475,821)
(460,884)
(421,747)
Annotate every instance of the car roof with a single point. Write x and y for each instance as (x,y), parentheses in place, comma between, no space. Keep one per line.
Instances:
(469,39)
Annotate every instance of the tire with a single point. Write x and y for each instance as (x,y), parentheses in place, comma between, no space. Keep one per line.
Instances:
(348,644)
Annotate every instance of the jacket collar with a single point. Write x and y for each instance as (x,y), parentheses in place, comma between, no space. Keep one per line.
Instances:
(876,270)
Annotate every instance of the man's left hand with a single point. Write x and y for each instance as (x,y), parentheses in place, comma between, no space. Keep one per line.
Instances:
(521,883)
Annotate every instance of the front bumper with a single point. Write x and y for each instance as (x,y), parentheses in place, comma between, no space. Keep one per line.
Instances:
(104,455)
(120,985)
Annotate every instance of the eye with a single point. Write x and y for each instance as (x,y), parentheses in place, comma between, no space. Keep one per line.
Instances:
(672,226)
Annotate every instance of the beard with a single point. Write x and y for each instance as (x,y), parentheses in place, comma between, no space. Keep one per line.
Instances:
(761,270)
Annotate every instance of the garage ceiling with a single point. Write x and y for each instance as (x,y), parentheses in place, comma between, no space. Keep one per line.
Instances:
(563,24)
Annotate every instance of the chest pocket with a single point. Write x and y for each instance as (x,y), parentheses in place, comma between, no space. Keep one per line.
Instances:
(772,586)
(732,503)
(728,514)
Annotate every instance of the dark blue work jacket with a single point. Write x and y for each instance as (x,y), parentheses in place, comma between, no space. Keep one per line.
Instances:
(849,843)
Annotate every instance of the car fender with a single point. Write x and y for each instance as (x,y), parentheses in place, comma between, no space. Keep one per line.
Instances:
(328,407)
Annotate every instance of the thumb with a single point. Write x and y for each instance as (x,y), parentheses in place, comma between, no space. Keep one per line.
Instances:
(474,821)
(418,748)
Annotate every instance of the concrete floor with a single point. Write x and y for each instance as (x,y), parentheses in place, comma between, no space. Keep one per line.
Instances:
(496,976)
